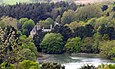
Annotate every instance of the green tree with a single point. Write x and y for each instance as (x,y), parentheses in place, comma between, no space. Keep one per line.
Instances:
(73,45)
(74,25)
(28,26)
(97,38)
(68,17)
(87,46)
(38,37)
(27,55)
(52,43)
(27,64)
(83,14)
(22,21)
(107,49)
(58,19)
(15,48)
(4,65)
(46,23)
(27,43)
(9,21)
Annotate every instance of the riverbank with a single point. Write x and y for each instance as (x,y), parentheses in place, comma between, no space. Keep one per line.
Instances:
(74,61)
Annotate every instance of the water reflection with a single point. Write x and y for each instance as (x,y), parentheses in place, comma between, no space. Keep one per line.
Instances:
(78,60)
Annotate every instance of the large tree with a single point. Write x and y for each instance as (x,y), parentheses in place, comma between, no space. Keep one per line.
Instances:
(73,45)
(87,12)
(68,17)
(52,43)
(14,47)
(28,26)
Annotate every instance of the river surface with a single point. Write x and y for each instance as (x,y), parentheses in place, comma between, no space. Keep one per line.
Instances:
(75,61)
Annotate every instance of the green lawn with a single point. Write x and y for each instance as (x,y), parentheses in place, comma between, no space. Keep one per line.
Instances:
(11,2)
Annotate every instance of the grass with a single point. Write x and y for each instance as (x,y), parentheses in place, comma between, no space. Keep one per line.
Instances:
(12,2)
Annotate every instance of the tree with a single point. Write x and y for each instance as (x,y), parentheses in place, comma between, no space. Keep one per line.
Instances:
(104,7)
(83,14)
(28,26)
(75,25)
(65,31)
(9,47)
(22,21)
(9,21)
(28,54)
(97,38)
(92,21)
(46,23)
(106,30)
(38,37)
(14,47)
(87,46)
(107,49)
(58,19)
(84,31)
(4,65)
(55,12)
(27,43)
(52,43)
(73,45)
(68,17)
(27,64)
(102,21)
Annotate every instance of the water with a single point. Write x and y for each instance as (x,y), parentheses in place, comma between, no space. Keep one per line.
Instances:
(77,60)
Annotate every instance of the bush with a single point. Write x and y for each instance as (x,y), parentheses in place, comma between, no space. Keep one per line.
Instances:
(52,66)
(88,67)
(27,64)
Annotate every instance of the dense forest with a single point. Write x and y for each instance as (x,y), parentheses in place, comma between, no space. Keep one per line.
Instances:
(55,28)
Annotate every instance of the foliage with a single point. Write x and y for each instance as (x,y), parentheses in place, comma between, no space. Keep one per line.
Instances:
(38,39)
(8,46)
(34,11)
(65,31)
(68,17)
(97,38)
(52,66)
(27,27)
(74,25)
(107,49)
(5,65)
(27,64)
(87,46)
(93,11)
(27,43)
(22,21)
(9,21)
(15,48)
(52,43)
(84,31)
(46,23)
(73,45)
(88,67)
(106,66)
(81,30)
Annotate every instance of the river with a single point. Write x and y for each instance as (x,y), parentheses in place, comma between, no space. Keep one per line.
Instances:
(75,61)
